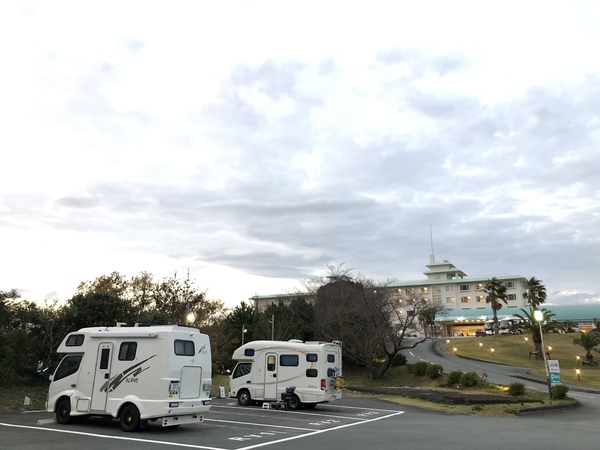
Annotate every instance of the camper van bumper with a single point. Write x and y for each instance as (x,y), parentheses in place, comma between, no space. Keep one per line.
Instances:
(180,420)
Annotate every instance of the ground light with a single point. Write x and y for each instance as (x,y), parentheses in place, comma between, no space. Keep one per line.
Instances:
(481,346)
(578,372)
(539,316)
(492,350)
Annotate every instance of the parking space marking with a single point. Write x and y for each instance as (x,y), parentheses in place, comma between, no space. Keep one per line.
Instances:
(122,438)
(327,430)
(255,424)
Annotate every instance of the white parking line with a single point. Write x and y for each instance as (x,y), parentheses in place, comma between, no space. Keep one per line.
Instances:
(279,441)
(122,438)
(255,424)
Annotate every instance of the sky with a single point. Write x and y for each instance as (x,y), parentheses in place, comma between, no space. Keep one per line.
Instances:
(256,143)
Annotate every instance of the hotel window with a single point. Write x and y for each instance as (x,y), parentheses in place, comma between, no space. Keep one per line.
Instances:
(464,287)
(451,299)
(410,291)
(480,298)
(450,288)
(511,297)
(437,297)
(436,290)
(465,299)
(422,290)
(479,287)
(510,284)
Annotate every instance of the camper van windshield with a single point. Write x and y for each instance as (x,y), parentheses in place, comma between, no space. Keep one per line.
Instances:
(68,366)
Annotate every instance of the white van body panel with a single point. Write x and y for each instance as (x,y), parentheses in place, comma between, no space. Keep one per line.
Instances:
(165,371)
(266,368)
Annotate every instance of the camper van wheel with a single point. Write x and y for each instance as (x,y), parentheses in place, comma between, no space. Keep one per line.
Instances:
(130,418)
(293,402)
(63,411)
(244,398)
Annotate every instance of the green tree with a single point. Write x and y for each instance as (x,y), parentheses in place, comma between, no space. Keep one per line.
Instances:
(528,322)
(496,293)
(98,309)
(536,292)
(588,340)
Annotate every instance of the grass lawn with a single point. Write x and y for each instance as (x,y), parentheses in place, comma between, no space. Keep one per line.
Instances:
(514,351)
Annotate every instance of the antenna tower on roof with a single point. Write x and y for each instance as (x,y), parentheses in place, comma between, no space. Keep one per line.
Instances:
(431,255)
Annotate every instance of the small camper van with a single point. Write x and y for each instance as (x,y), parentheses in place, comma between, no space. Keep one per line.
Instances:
(134,374)
(266,368)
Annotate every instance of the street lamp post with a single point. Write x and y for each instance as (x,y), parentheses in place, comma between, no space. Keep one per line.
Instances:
(539,316)
(243,333)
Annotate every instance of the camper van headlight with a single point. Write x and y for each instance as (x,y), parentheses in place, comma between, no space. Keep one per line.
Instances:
(207,387)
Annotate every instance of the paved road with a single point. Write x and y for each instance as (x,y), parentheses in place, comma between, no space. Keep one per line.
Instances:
(349,424)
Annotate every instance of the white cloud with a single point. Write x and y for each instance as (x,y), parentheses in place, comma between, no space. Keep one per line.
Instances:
(258,141)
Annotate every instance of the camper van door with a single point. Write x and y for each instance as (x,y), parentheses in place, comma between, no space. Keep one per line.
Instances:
(271,376)
(102,376)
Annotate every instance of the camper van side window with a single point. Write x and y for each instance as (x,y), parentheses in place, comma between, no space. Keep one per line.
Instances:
(288,360)
(312,373)
(75,340)
(127,351)
(312,357)
(249,352)
(68,366)
(242,369)
(184,348)
(331,358)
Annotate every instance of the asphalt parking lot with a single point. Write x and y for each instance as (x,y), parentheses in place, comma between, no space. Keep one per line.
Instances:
(228,426)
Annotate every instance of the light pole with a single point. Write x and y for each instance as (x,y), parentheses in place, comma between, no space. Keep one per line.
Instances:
(272,322)
(539,316)
(243,333)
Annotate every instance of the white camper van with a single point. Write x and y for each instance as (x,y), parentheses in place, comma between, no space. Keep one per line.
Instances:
(134,374)
(266,368)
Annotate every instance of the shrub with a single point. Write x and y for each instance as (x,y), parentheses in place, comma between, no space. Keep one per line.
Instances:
(469,379)
(434,371)
(559,391)
(419,368)
(454,377)
(516,389)
(398,360)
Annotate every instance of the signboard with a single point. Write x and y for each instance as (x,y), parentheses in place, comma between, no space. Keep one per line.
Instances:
(554,372)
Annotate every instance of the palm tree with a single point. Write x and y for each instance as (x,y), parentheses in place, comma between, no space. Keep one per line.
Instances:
(588,340)
(536,292)
(529,323)
(496,292)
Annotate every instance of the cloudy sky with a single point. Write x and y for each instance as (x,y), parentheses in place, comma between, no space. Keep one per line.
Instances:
(256,142)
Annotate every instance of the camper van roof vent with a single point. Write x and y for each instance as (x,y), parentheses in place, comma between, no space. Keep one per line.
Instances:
(297,341)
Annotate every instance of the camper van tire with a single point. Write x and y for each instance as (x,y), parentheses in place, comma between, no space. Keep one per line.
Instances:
(293,402)
(244,398)
(130,418)
(63,411)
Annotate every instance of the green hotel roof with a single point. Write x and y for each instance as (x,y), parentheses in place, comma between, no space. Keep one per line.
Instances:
(562,313)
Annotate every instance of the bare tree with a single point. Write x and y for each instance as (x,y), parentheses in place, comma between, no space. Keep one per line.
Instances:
(372,321)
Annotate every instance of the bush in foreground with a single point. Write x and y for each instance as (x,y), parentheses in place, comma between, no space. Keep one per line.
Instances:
(454,377)
(516,389)
(559,392)
(469,379)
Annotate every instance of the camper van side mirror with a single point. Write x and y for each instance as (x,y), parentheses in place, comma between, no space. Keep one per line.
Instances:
(51,378)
